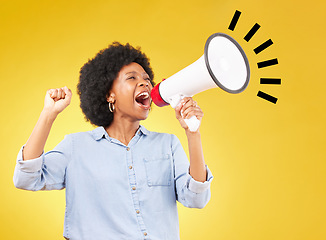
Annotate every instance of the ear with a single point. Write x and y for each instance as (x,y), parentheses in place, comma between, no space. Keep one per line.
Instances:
(110,98)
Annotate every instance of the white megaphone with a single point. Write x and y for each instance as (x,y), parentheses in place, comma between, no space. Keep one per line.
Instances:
(224,64)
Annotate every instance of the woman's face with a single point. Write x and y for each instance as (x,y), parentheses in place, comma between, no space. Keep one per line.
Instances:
(130,93)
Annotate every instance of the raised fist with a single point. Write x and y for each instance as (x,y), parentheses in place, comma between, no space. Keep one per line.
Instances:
(56,100)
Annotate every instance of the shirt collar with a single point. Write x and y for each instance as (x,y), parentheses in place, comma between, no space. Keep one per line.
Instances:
(99,132)
(143,130)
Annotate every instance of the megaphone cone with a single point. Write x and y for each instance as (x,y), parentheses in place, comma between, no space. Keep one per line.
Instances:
(224,65)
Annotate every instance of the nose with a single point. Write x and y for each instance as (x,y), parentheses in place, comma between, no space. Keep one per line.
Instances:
(143,83)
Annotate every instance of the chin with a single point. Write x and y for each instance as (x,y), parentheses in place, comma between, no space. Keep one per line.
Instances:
(141,117)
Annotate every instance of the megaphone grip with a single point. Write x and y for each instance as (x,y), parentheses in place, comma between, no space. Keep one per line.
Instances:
(193,123)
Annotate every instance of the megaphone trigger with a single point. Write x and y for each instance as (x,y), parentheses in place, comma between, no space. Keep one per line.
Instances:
(175,100)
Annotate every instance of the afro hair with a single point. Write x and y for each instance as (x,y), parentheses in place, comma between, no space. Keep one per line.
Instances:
(97,75)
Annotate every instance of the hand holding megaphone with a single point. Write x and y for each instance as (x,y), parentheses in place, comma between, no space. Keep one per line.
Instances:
(193,123)
(188,107)
(224,64)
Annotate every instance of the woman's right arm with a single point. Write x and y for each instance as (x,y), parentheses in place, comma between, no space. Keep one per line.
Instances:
(34,169)
(56,100)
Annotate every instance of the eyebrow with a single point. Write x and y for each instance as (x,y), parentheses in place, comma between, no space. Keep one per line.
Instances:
(144,73)
(130,72)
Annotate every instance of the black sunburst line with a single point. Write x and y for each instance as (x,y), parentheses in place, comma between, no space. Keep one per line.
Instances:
(257,50)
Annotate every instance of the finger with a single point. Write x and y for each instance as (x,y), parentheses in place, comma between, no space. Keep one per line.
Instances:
(177,111)
(190,111)
(185,101)
(63,94)
(67,91)
(188,105)
(193,112)
(54,94)
(185,112)
(58,97)
(188,102)
(181,120)
(49,92)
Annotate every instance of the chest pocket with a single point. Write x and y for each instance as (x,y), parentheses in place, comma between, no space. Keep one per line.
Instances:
(158,170)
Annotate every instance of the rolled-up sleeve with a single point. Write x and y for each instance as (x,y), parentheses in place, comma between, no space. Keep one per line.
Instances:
(199,187)
(190,193)
(46,172)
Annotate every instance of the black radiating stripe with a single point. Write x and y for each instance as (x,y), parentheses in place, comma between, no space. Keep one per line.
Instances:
(263,46)
(234,20)
(267,63)
(267,97)
(270,81)
(252,31)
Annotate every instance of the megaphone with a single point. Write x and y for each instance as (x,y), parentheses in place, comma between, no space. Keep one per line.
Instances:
(224,64)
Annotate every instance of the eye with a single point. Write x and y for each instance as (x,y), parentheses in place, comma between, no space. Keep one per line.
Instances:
(131,77)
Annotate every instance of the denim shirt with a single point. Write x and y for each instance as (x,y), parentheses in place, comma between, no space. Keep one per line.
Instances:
(115,191)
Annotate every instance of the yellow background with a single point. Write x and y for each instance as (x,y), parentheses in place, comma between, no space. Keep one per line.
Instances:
(268,159)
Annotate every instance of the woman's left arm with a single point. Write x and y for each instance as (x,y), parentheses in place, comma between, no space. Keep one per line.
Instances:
(185,110)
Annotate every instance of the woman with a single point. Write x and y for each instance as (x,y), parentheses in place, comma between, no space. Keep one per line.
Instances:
(122,181)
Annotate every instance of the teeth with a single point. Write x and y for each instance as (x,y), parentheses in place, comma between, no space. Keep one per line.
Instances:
(143,94)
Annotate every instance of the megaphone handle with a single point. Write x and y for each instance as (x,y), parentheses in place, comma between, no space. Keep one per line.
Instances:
(193,123)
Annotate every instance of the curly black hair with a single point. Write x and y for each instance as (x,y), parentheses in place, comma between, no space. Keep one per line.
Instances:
(97,75)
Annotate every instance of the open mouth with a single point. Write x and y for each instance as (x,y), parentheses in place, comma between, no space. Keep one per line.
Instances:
(143,100)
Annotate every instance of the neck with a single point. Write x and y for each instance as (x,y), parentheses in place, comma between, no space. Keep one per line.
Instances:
(122,130)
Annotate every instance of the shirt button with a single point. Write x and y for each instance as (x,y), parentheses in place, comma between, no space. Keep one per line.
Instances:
(128,148)
(130,167)
(145,233)
(137,211)
(133,188)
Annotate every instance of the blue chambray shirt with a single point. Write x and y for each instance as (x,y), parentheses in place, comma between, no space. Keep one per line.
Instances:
(115,191)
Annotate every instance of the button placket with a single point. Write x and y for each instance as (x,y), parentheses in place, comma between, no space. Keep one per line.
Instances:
(134,192)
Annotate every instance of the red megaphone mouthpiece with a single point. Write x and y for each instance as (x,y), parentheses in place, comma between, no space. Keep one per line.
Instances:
(156,96)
